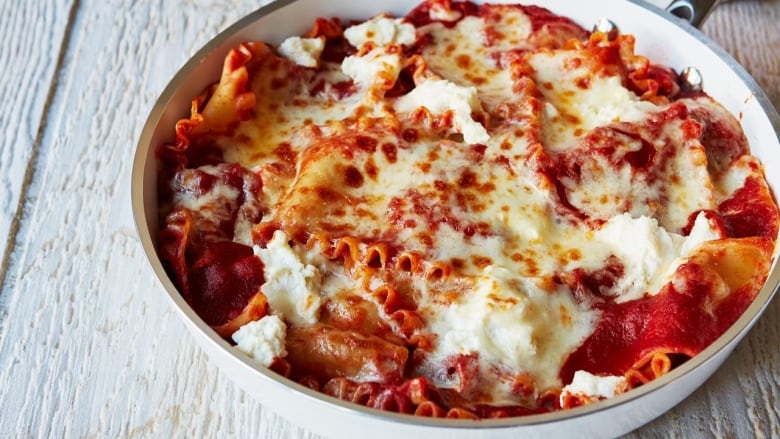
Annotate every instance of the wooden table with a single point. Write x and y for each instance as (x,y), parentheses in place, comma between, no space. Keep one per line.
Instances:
(89,347)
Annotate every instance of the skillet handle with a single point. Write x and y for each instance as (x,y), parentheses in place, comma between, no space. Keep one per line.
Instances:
(693,11)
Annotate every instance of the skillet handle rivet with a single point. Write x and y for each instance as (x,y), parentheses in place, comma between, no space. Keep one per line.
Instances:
(608,27)
(691,79)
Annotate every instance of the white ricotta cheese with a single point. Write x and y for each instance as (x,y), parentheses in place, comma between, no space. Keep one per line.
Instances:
(291,286)
(381,31)
(649,253)
(593,386)
(375,66)
(440,96)
(703,230)
(511,324)
(262,340)
(644,248)
(302,51)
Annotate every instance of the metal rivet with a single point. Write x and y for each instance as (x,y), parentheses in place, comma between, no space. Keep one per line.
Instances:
(691,79)
(608,27)
(683,9)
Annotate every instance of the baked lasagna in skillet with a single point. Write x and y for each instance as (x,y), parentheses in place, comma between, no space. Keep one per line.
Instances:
(470,211)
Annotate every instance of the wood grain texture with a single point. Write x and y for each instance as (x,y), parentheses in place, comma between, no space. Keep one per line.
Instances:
(89,346)
(33,35)
(80,343)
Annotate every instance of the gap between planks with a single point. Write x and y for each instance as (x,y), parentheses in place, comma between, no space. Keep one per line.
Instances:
(29,172)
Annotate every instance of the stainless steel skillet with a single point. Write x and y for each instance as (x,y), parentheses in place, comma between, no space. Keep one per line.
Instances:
(660,36)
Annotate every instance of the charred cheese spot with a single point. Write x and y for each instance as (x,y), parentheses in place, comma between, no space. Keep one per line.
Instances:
(353,177)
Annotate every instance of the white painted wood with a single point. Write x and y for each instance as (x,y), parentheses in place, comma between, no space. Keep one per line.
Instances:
(32,38)
(88,345)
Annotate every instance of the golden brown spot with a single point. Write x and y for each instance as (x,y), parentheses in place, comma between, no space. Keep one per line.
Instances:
(390,151)
(573,64)
(481,261)
(457,263)
(467,179)
(410,135)
(506,301)
(463,61)
(447,297)
(371,169)
(285,153)
(545,283)
(531,267)
(487,187)
(565,316)
(572,119)
(323,193)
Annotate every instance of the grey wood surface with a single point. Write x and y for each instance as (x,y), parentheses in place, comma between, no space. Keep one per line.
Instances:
(89,347)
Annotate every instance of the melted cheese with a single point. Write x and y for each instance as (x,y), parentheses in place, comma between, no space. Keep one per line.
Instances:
(373,67)
(577,101)
(439,12)
(511,324)
(458,54)
(218,203)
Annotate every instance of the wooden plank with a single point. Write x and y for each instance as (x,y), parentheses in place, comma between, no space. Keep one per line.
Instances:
(33,36)
(90,346)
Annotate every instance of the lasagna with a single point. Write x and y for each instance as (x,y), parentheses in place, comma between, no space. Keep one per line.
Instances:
(470,211)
